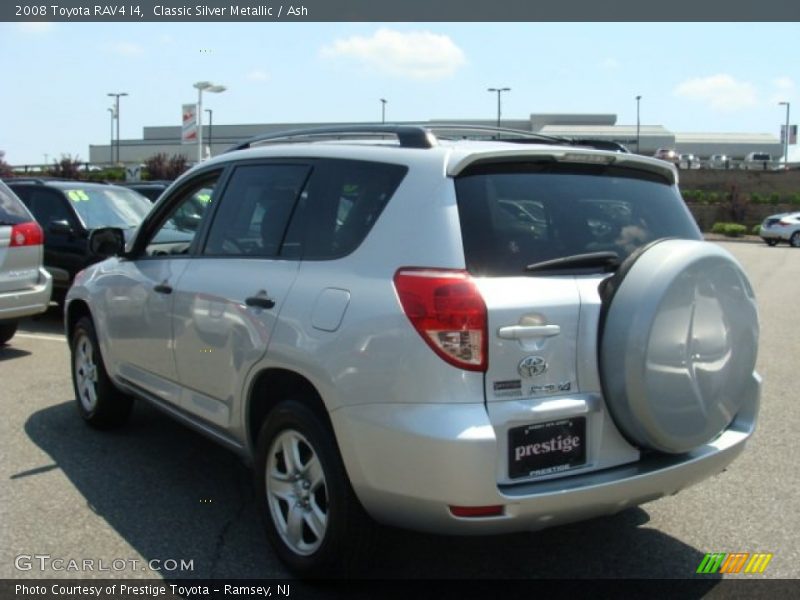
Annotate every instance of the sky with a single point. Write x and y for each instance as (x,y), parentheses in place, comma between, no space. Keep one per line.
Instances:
(696,77)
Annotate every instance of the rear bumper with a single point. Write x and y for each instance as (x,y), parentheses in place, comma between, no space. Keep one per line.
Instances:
(31,301)
(409,463)
(776,233)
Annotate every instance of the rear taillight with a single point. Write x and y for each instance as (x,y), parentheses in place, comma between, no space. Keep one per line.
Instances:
(27,234)
(447,310)
(784,223)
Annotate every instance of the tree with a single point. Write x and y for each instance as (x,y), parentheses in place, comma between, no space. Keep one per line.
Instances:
(67,167)
(5,168)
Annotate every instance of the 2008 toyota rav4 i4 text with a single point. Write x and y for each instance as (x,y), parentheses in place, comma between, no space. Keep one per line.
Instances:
(451,335)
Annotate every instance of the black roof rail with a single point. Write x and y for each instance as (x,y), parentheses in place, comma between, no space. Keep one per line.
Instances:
(409,136)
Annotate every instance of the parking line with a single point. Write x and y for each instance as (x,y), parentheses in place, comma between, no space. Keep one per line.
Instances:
(37,336)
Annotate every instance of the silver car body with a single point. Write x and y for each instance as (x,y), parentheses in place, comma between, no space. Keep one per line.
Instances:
(416,434)
(25,286)
(784,227)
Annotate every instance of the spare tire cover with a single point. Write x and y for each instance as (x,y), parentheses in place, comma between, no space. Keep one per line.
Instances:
(678,344)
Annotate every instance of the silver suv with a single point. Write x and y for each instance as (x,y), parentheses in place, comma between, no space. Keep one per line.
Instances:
(25,286)
(445,334)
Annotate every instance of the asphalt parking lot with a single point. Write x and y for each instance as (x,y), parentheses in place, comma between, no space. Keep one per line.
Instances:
(157,491)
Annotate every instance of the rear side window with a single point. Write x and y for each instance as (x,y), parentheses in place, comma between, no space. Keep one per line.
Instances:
(12,210)
(516,215)
(340,204)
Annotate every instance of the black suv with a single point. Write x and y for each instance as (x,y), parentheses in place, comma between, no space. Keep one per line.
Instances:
(68,211)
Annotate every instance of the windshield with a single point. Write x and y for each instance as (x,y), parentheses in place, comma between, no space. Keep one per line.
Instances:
(109,207)
(515,216)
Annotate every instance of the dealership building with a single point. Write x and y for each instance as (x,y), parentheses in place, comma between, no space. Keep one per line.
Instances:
(167,139)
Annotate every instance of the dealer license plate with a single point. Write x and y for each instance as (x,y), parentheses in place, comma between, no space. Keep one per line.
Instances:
(546,448)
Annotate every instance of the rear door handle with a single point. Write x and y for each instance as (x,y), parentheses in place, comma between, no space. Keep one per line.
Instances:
(260,301)
(524,332)
(163,288)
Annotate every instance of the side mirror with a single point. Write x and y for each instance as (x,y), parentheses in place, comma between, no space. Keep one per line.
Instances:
(60,226)
(108,241)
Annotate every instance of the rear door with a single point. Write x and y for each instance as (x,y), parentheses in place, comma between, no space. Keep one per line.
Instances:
(19,264)
(543,316)
(229,297)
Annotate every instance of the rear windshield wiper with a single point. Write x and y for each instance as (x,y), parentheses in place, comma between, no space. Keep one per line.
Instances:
(592,259)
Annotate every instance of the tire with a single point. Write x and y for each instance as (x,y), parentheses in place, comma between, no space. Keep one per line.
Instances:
(310,512)
(794,241)
(678,344)
(99,402)
(771,242)
(7,331)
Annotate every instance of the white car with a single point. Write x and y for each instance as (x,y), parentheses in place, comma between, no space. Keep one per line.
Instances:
(784,227)
(719,161)
(689,161)
(456,336)
(757,161)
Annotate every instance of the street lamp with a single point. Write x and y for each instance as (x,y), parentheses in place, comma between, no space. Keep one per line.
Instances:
(383,110)
(111,144)
(638,98)
(210,130)
(203,86)
(499,91)
(116,96)
(785,137)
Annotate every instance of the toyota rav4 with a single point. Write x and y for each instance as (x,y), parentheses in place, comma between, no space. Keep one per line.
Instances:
(395,324)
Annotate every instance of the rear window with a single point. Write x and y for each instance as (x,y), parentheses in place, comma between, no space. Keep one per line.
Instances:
(516,215)
(759,156)
(12,211)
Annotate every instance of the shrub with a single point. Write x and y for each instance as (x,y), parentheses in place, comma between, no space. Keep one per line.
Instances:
(729,229)
(774,198)
(160,166)
(67,167)
(5,168)
(794,198)
(757,198)
(756,229)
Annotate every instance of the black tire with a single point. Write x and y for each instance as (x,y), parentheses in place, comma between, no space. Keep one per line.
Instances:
(794,241)
(99,402)
(7,331)
(771,242)
(341,546)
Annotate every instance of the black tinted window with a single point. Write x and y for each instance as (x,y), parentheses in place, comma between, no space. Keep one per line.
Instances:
(340,205)
(48,205)
(11,209)
(513,216)
(255,209)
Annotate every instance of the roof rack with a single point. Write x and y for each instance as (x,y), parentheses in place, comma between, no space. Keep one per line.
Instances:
(417,135)
(409,136)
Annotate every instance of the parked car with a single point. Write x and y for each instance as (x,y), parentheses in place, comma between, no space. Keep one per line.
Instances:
(25,286)
(719,161)
(68,212)
(668,154)
(689,161)
(455,336)
(784,227)
(149,189)
(757,161)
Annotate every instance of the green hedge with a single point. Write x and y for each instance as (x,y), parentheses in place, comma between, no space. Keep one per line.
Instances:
(729,229)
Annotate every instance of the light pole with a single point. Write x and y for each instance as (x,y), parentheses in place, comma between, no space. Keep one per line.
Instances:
(116,96)
(210,130)
(383,110)
(638,98)
(498,91)
(111,144)
(202,86)
(785,137)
